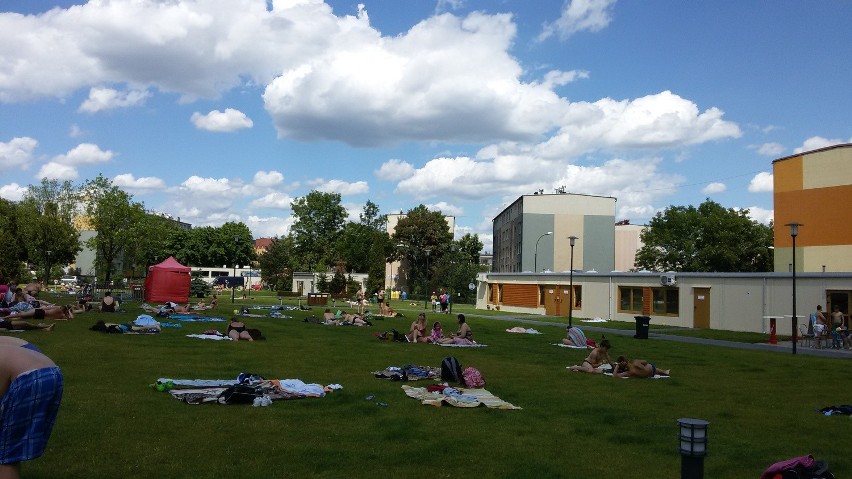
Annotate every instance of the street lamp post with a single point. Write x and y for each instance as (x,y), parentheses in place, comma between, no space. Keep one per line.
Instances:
(233,284)
(47,269)
(571,240)
(426,280)
(794,231)
(535,260)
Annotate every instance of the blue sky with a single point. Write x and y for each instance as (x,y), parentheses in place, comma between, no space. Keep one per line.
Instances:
(227,110)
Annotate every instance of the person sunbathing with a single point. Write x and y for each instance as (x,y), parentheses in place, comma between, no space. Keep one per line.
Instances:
(638,368)
(575,337)
(237,330)
(463,336)
(108,303)
(355,320)
(50,312)
(597,358)
(11,324)
(387,311)
(417,332)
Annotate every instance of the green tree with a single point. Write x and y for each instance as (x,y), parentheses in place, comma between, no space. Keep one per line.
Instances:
(459,267)
(14,254)
(152,242)
(115,217)
(319,218)
(322,283)
(421,238)
(338,281)
(276,264)
(709,238)
(371,217)
(45,220)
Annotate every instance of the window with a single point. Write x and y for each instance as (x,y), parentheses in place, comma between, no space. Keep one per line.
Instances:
(666,301)
(541,294)
(629,300)
(578,296)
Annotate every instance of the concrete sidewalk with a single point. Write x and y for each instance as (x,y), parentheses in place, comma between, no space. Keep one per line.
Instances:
(782,346)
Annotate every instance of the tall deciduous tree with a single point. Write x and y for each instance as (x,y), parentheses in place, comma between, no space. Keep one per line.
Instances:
(421,238)
(709,238)
(319,218)
(276,264)
(14,254)
(115,217)
(459,267)
(45,220)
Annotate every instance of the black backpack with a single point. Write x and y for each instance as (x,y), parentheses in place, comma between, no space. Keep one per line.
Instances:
(239,394)
(451,370)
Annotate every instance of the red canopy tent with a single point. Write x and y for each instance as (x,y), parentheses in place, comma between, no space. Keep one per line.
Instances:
(168,281)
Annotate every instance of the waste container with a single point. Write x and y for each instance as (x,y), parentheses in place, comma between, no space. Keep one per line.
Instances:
(643,324)
(318,299)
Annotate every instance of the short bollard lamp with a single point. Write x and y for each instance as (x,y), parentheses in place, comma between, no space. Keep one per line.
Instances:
(693,447)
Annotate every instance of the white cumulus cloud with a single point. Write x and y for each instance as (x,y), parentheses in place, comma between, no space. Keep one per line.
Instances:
(267,179)
(446,209)
(714,188)
(761,183)
(343,187)
(279,201)
(17,153)
(817,142)
(84,154)
(394,170)
(128,181)
(101,99)
(207,186)
(770,149)
(580,15)
(13,192)
(222,121)
(761,215)
(53,170)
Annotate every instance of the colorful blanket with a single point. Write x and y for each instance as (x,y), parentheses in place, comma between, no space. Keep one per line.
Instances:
(408,373)
(521,330)
(214,337)
(451,345)
(194,318)
(561,345)
(465,398)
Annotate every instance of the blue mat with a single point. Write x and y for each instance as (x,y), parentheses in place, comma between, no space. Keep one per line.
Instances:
(193,317)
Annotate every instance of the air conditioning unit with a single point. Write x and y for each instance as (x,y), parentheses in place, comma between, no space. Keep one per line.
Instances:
(668,280)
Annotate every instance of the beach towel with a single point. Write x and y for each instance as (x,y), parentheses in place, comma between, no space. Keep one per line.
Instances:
(656,376)
(194,318)
(408,373)
(451,345)
(518,329)
(215,337)
(457,397)
(561,345)
(596,320)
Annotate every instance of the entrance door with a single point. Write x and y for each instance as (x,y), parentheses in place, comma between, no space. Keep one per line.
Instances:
(841,299)
(701,308)
(553,303)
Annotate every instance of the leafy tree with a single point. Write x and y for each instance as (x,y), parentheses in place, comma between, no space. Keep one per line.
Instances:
(319,218)
(372,218)
(422,238)
(338,281)
(322,283)
(198,288)
(152,242)
(709,238)
(459,267)
(276,264)
(14,254)
(45,222)
(115,217)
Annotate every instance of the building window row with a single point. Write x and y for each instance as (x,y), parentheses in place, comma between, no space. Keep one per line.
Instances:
(663,301)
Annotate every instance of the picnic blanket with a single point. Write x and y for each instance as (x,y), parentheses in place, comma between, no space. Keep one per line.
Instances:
(464,398)
(215,337)
(408,373)
(451,345)
(194,318)
(561,345)
(521,330)
(208,390)
(656,376)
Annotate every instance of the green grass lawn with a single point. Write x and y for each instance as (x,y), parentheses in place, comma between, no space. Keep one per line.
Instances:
(761,406)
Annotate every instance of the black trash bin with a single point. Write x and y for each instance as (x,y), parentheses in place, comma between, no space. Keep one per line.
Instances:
(643,324)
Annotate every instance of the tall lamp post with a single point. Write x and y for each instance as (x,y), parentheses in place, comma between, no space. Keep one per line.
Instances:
(535,260)
(234,285)
(47,270)
(794,231)
(426,280)
(571,240)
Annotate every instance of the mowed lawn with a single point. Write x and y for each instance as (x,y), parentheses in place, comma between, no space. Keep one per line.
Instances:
(761,406)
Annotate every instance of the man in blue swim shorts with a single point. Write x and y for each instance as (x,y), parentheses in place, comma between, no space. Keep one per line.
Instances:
(638,368)
(31,389)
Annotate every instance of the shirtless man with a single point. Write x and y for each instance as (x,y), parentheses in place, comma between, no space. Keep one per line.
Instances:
(31,388)
(597,358)
(638,368)
(48,312)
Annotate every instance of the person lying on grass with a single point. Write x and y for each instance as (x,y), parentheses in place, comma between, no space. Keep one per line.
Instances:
(597,358)
(237,330)
(464,335)
(48,312)
(10,324)
(638,368)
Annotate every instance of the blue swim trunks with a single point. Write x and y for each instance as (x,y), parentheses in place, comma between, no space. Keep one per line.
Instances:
(32,347)
(27,413)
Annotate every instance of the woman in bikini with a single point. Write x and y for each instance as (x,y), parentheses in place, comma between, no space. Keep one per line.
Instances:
(597,358)
(417,332)
(463,336)
(237,330)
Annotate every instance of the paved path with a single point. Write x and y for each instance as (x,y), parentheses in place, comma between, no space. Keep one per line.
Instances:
(781,347)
